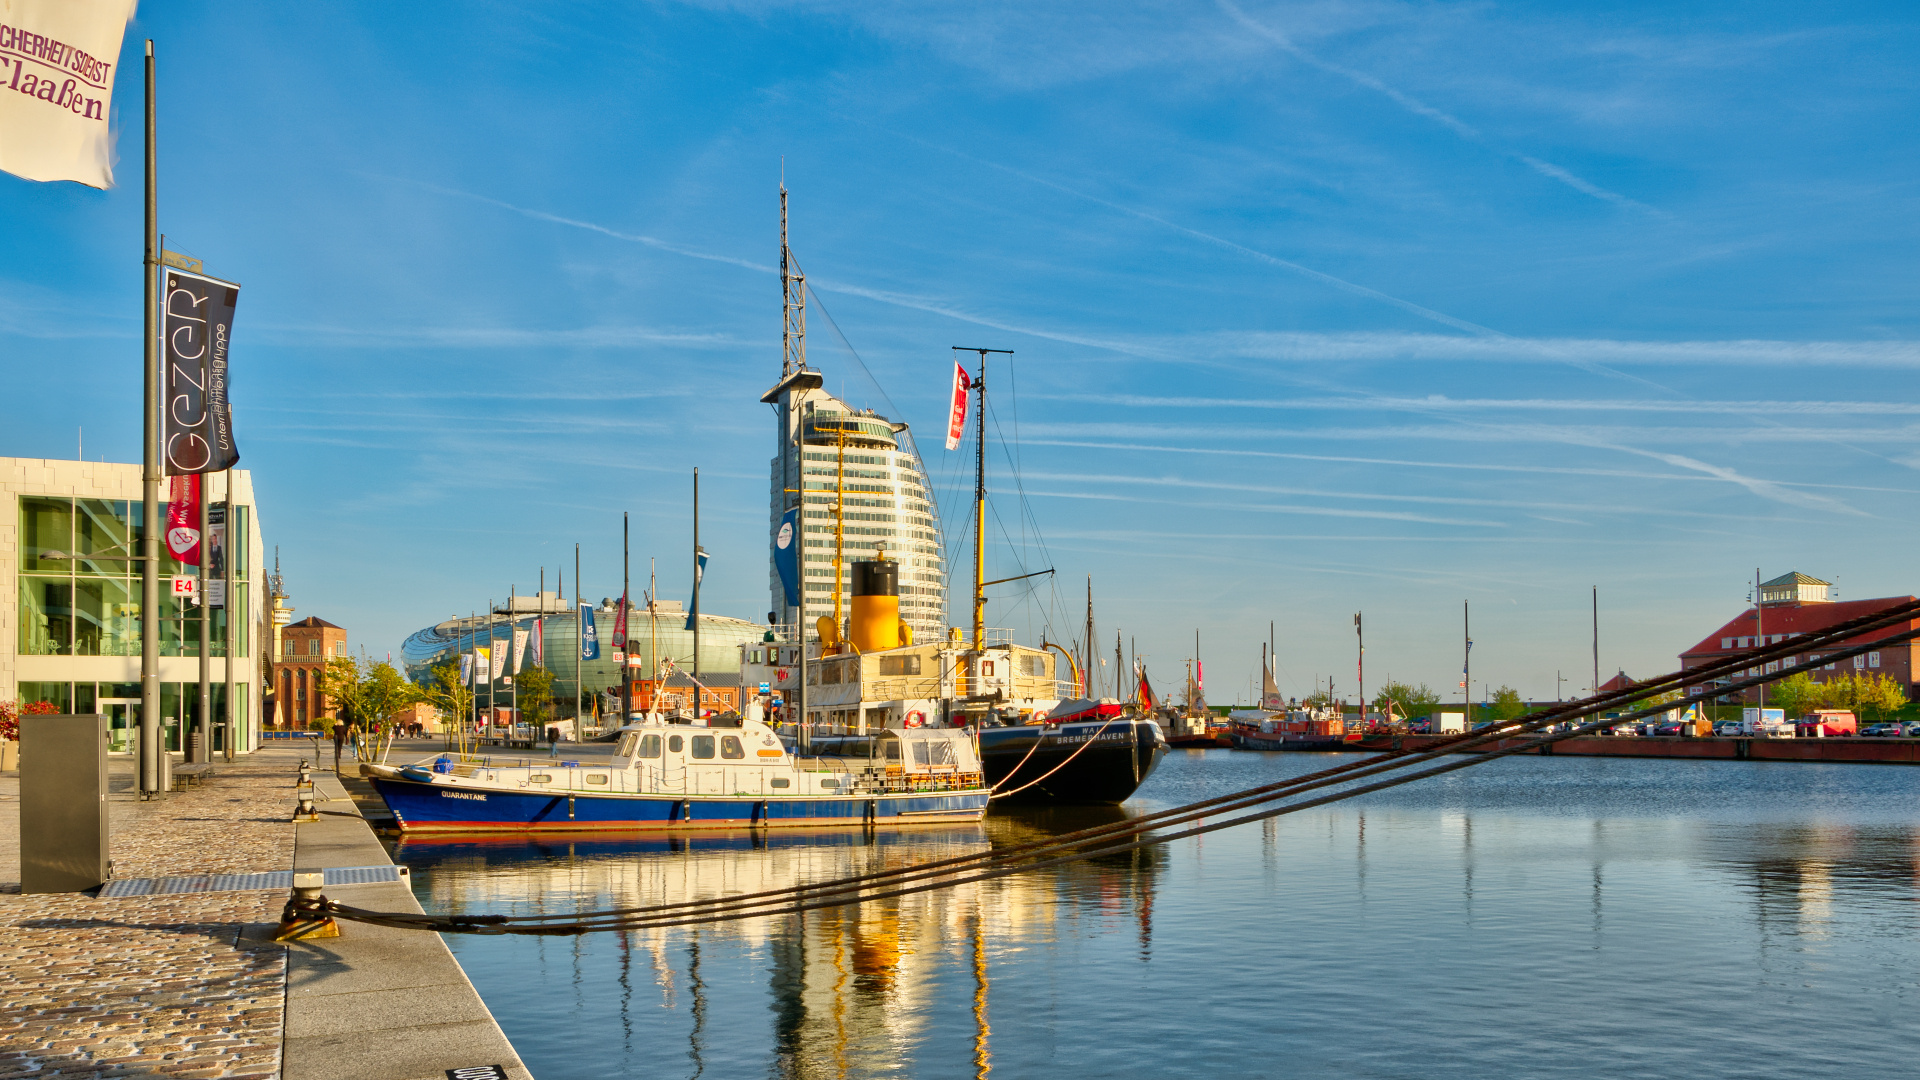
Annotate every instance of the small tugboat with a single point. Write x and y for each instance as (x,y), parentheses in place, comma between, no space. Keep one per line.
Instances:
(1313,727)
(732,775)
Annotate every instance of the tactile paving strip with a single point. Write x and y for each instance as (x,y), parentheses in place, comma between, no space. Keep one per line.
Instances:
(277,879)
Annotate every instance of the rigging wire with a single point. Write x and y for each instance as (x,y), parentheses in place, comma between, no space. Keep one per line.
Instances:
(1705,682)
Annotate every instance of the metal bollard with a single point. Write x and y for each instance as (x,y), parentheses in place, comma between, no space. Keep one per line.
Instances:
(305,915)
(305,809)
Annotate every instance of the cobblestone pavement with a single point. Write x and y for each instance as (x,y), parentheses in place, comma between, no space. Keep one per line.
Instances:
(154,986)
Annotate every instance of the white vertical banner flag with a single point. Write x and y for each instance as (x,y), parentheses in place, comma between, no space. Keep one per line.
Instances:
(520,637)
(466,669)
(499,659)
(480,665)
(58,59)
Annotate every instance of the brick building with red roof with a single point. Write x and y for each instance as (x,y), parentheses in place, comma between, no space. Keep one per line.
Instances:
(1794,604)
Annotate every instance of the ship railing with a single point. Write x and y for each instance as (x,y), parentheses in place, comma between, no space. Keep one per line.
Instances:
(878,783)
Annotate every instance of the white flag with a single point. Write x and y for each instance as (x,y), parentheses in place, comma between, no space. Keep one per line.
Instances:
(480,664)
(466,669)
(499,659)
(520,637)
(58,59)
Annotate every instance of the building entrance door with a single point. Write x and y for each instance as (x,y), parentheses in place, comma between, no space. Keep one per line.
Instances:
(123,723)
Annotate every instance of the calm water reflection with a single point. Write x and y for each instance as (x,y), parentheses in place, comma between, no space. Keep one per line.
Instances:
(1549,917)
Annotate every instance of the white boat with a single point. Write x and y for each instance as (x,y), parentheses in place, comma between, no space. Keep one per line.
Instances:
(681,776)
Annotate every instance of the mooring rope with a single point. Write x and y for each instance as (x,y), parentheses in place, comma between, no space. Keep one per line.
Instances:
(1076,753)
(990,865)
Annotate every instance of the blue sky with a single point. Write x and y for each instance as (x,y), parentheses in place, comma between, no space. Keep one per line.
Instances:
(1317,308)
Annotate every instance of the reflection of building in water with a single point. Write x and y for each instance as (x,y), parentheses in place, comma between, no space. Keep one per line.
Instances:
(853,987)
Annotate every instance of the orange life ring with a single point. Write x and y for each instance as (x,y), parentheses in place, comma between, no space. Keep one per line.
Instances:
(916,718)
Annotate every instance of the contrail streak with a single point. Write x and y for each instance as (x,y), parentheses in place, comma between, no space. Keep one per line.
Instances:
(1421,108)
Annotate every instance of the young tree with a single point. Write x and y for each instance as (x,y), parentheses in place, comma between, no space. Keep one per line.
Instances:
(343,686)
(1506,705)
(450,694)
(536,690)
(385,692)
(1408,700)
(1880,696)
(1796,694)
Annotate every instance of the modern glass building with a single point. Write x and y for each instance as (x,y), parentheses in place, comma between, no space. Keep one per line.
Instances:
(829,454)
(74,638)
(654,638)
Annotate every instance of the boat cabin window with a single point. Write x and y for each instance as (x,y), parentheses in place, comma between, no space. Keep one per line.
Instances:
(674,743)
(986,668)
(900,665)
(703,746)
(933,753)
(779,781)
(1035,666)
(730,747)
(893,749)
(830,672)
(626,744)
(650,746)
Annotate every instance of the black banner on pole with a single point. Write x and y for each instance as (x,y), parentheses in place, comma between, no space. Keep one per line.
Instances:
(196,322)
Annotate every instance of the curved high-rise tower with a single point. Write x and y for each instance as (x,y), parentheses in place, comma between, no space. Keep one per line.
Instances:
(830,454)
(847,467)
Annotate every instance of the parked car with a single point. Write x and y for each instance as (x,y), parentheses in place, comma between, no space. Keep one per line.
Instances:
(1727,728)
(1666,729)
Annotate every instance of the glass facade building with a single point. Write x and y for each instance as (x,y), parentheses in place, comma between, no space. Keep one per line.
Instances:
(73,635)
(653,639)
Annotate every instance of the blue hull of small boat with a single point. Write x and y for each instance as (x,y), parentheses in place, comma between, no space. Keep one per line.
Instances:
(432,807)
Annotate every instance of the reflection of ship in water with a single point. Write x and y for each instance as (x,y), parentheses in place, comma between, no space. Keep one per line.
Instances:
(853,988)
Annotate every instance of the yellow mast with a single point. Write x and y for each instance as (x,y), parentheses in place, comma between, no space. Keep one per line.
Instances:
(839,517)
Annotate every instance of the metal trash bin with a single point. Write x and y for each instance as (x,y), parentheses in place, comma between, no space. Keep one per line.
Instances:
(63,803)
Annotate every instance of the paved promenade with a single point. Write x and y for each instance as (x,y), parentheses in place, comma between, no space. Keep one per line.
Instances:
(191,985)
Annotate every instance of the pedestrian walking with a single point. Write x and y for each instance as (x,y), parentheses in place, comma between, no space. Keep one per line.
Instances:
(553,742)
(339,743)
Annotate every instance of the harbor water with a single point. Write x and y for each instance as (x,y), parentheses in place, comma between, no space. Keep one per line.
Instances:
(1526,917)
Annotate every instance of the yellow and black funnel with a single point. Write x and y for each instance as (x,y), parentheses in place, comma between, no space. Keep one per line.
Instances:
(876,621)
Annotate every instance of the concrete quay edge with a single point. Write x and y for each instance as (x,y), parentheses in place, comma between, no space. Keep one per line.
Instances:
(377,1003)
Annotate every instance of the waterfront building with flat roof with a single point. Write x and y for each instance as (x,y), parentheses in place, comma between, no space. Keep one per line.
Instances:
(71,624)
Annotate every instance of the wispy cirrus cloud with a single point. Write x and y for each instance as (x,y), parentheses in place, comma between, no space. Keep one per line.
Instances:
(1439,403)
(1422,109)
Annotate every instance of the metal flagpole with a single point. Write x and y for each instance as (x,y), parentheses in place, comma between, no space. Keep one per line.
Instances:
(1596,639)
(539,620)
(203,720)
(626,684)
(1360,667)
(229,547)
(1466,663)
(579,645)
(1760,638)
(696,589)
(150,748)
(513,660)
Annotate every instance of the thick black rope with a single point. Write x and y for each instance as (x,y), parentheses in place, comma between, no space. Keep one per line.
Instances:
(797,898)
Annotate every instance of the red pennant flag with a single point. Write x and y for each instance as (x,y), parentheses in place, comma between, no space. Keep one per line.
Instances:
(957,423)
